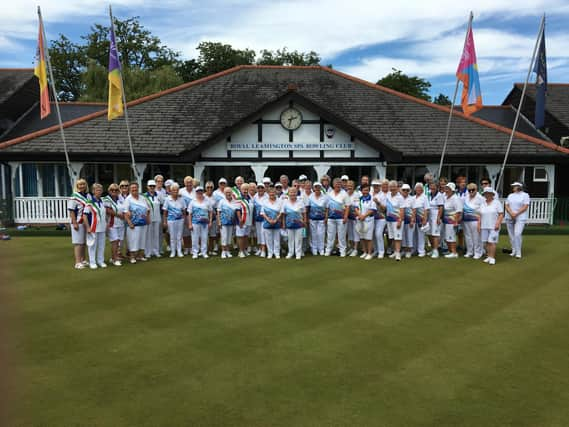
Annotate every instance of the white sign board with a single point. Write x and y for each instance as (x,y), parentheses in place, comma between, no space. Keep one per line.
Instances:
(294,146)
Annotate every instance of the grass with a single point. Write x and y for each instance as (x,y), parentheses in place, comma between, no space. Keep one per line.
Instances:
(322,341)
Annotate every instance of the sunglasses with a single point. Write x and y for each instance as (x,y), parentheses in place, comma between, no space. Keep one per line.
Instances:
(152,186)
(209,188)
(114,189)
(405,190)
(124,186)
(472,190)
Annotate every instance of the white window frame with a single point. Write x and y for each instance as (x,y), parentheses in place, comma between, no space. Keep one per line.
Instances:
(546,179)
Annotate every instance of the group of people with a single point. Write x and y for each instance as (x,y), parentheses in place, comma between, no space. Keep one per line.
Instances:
(367,219)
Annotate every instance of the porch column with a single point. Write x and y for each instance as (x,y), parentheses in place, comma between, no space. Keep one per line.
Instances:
(381,170)
(75,171)
(3,172)
(14,167)
(198,172)
(39,179)
(140,168)
(433,168)
(259,171)
(321,170)
(550,169)
(494,171)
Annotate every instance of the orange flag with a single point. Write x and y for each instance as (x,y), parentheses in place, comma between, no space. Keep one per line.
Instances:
(41,73)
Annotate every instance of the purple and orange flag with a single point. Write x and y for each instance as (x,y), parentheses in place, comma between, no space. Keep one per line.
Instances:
(467,73)
(41,73)
(116,107)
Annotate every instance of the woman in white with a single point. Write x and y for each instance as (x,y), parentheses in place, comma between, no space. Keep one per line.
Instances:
(213,232)
(365,213)
(451,218)
(470,218)
(200,217)
(517,205)
(491,215)
(338,210)
(294,221)
(161,191)
(317,216)
(153,241)
(75,207)
(380,191)
(96,224)
(188,194)
(137,215)
(271,212)
(253,241)
(421,206)
(228,214)
(245,222)
(394,213)
(113,206)
(436,209)
(124,186)
(408,220)
(353,236)
(258,201)
(173,218)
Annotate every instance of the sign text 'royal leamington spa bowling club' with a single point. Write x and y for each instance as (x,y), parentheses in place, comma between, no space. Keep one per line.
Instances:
(296,146)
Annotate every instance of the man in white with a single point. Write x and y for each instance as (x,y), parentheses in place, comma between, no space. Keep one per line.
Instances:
(258,201)
(153,242)
(338,209)
(517,205)
(470,217)
(452,215)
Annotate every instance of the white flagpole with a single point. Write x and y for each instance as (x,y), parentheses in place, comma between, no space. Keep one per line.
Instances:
(133,163)
(539,35)
(72,177)
(471,16)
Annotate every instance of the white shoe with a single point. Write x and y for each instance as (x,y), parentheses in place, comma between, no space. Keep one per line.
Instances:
(363,255)
(513,254)
(133,261)
(451,255)
(158,255)
(93,266)
(421,255)
(195,256)
(180,255)
(103,265)
(298,257)
(468,255)
(79,266)
(487,260)
(368,257)
(269,256)
(492,261)
(172,254)
(435,254)
(116,263)
(477,257)
(392,255)
(263,254)
(407,254)
(289,256)
(228,254)
(85,263)
(326,253)
(241,254)
(186,251)
(223,255)
(397,257)
(205,256)
(342,254)
(277,257)
(519,256)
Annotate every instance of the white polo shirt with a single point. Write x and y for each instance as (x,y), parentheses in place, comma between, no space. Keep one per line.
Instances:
(516,201)
(489,214)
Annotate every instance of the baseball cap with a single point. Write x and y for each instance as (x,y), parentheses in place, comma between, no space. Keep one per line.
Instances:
(517,183)
(376,182)
(151,182)
(488,190)
(199,188)
(344,178)
(266,180)
(302,178)
(278,184)
(451,185)
(406,187)
(168,183)
(222,181)
(317,184)
(260,185)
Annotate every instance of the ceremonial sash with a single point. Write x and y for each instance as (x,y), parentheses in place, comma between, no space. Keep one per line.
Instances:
(82,200)
(245,208)
(114,207)
(96,215)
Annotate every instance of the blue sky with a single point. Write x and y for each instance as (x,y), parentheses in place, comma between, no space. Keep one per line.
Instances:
(360,37)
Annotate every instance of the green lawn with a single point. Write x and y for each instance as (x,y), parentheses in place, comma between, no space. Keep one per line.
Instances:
(317,342)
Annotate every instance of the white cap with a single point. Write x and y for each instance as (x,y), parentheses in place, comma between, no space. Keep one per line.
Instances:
(517,184)
(344,178)
(317,184)
(278,184)
(222,181)
(151,182)
(266,180)
(302,178)
(199,188)
(451,185)
(168,183)
(406,187)
(260,185)
(376,182)
(418,184)
(488,190)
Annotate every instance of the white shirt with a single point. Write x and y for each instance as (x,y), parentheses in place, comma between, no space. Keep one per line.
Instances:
(155,202)
(317,206)
(293,213)
(489,214)
(393,204)
(452,206)
(516,201)
(138,209)
(437,201)
(380,198)
(199,211)
(471,207)
(421,205)
(337,202)
(97,207)
(365,206)
(186,195)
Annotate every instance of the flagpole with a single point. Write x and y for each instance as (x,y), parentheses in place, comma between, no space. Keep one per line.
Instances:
(133,163)
(50,70)
(453,102)
(518,112)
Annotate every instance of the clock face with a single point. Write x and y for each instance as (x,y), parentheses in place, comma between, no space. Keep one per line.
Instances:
(291,119)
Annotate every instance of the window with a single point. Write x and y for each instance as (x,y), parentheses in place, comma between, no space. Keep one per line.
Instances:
(539,174)
(48,179)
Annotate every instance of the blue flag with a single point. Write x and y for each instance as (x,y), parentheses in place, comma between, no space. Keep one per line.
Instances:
(540,69)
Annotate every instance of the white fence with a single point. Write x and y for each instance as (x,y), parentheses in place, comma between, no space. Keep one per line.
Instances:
(53,210)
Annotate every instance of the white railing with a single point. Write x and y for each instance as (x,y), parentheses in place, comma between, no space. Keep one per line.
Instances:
(53,210)
(40,210)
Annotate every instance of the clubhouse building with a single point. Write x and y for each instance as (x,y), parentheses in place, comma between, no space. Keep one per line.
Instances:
(258,121)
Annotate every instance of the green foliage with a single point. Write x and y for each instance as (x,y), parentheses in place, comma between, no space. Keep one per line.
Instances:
(284,57)
(442,99)
(68,61)
(411,85)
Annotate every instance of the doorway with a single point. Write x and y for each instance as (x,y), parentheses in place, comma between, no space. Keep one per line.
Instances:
(293,172)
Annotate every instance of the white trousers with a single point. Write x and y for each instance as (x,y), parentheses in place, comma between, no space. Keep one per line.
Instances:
(273,240)
(472,238)
(419,240)
(199,239)
(378,238)
(226,235)
(317,233)
(97,251)
(160,237)
(408,235)
(353,235)
(175,230)
(259,232)
(336,228)
(294,241)
(152,239)
(136,238)
(515,230)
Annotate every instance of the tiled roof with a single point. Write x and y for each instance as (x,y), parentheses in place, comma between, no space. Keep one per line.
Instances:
(182,119)
(18,92)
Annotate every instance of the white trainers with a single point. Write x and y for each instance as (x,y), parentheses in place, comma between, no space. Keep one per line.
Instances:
(172,254)
(298,257)
(477,257)
(492,261)
(263,254)
(407,255)
(228,254)
(326,253)
(342,254)
(223,255)
(354,252)
(289,256)
(116,263)
(205,256)
(269,256)
(513,254)
(519,256)
(180,255)
(487,260)
(133,261)
(380,255)
(393,255)
(241,254)
(363,255)
(186,251)
(421,255)
(468,255)
(368,257)
(397,257)
(435,254)
(103,265)
(277,257)
(79,266)
(93,266)
(195,256)
(451,255)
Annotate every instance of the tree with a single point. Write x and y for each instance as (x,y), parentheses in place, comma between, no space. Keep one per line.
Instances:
(68,61)
(284,57)
(442,99)
(411,85)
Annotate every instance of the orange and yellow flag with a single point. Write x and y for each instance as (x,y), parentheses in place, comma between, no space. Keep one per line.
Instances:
(41,73)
